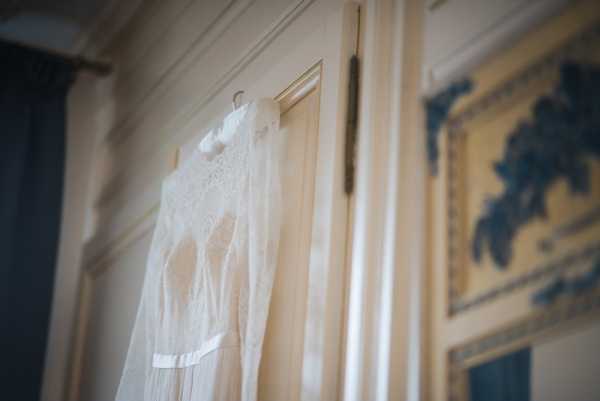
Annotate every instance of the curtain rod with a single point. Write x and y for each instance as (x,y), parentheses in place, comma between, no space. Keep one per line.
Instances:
(99,68)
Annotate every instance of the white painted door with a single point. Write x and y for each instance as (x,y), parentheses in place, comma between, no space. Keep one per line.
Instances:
(305,67)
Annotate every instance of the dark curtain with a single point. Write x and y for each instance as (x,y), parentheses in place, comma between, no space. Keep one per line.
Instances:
(33,88)
(504,379)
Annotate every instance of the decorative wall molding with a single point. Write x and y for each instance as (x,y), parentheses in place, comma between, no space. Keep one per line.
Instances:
(572,286)
(567,263)
(79,339)
(437,111)
(160,21)
(182,118)
(115,15)
(535,72)
(567,314)
(486,43)
(253,51)
(97,257)
(173,74)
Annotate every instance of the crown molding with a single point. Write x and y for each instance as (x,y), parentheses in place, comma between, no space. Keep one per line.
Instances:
(100,32)
(497,37)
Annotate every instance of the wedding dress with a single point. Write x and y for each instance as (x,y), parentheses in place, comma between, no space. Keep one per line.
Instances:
(201,321)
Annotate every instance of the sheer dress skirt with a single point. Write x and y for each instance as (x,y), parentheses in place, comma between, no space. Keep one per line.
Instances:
(200,326)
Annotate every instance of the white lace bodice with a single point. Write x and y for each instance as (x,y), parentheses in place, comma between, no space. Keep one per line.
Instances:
(200,326)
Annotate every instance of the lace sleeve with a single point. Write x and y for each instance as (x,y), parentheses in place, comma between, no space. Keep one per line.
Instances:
(138,365)
(264,221)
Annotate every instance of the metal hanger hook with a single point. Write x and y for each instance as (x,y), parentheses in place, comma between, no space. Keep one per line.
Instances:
(237,98)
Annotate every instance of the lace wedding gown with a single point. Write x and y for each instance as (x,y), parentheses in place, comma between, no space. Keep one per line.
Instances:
(201,321)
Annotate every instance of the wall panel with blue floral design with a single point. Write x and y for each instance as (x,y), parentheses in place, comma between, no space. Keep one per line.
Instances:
(523,178)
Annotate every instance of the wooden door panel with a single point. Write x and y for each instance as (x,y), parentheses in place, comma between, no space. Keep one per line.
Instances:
(281,365)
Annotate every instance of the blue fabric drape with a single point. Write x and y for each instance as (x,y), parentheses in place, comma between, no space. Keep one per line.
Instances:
(33,88)
(504,379)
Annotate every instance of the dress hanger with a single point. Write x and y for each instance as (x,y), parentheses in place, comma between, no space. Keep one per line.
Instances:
(237,100)
(212,144)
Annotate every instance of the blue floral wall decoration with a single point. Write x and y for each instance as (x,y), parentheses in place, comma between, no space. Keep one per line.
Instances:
(556,143)
(437,109)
